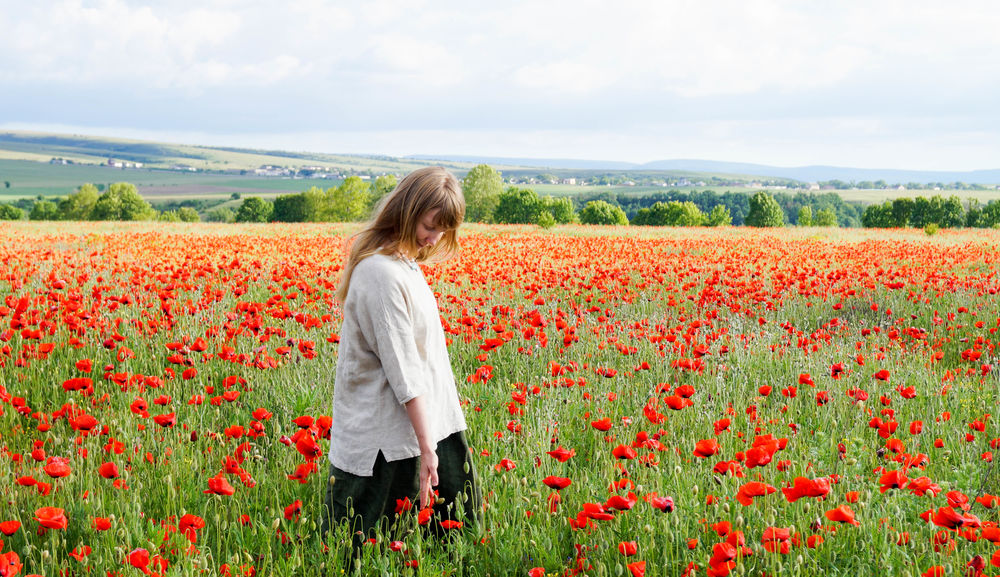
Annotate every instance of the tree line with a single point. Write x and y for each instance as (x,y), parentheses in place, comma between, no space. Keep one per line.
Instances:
(489,200)
(922,212)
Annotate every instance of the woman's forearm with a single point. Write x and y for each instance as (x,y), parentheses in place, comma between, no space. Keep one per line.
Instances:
(428,450)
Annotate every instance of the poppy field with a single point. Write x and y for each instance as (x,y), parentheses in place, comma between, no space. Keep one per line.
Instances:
(640,402)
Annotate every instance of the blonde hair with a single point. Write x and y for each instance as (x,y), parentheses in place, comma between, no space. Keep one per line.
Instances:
(393,228)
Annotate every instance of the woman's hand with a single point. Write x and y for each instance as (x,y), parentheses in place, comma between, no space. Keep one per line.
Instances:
(428,451)
(428,477)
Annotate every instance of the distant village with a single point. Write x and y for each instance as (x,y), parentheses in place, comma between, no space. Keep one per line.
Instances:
(608,179)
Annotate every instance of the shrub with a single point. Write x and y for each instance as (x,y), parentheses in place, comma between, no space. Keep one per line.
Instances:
(601,212)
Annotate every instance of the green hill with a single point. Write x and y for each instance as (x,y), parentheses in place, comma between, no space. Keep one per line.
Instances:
(37,146)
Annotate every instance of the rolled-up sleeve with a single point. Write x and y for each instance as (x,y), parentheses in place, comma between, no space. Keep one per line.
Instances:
(392,339)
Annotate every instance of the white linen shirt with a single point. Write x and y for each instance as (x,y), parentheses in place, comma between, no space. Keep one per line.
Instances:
(392,349)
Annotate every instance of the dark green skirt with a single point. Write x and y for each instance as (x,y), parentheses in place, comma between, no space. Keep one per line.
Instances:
(369,503)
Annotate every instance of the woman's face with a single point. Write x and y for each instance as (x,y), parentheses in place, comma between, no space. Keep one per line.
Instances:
(428,232)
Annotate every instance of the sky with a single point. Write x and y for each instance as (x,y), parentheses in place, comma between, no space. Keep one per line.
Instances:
(872,84)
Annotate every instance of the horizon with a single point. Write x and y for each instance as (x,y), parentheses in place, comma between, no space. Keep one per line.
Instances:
(864,87)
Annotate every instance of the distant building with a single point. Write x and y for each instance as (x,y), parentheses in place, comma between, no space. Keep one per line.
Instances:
(268,170)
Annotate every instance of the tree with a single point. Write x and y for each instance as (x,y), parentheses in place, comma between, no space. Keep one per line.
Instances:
(518,206)
(545,219)
(220,214)
(383,186)
(877,216)
(974,214)
(601,212)
(482,187)
(169,216)
(188,214)
(44,210)
(10,212)
(902,209)
(805,216)
(952,213)
(79,205)
(922,213)
(561,209)
(990,217)
(684,214)
(121,201)
(289,208)
(346,203)
(673,213)
(825,217)
(764,211)
(719,216)
(254,209)
(654,215)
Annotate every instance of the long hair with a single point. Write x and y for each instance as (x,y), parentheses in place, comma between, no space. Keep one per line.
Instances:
(393,228)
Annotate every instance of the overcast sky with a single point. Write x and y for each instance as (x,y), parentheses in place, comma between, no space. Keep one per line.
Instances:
(894,84)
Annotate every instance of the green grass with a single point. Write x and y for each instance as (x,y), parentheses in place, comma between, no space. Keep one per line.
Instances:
(29,179)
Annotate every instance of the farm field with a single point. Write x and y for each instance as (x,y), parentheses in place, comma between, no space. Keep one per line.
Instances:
(29,179)
(640,401)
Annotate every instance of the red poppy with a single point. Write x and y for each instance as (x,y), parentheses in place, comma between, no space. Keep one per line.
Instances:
(621,503)
(167,420)
(51,518)
(557,483)
(637,569)
(948,518)
(189,525)
(108,470)
(307,446)
(665,504)
(218,485)
(706,448)
(804,487)
(294,511)
(57,467)
(602,424)
(751,490)
(892,480)
(139,407)
(560,454)
(624,452)
(138,558)
(8,528)
(10,564)
(79,553)
(842,514)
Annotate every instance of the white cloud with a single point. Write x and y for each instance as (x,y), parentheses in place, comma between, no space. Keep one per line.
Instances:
(650,79)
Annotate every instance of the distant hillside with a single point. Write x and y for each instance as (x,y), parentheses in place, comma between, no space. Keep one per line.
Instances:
(37,146)
(95,150)
(820,173)
(694,166)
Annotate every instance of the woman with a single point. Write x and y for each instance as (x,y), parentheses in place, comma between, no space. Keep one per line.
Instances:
(397,435)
